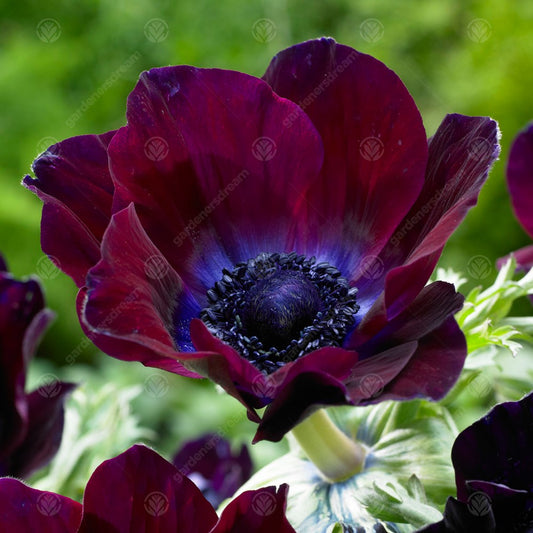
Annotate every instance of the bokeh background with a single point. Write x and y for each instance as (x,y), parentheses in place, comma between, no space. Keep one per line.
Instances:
(67,68)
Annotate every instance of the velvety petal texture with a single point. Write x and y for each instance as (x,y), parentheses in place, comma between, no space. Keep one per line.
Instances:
(73,181)
(324,157)
(139,492)
(520,178)
(215,469)
(31,425)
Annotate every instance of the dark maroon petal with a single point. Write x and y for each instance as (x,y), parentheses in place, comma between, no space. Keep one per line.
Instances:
(73,181)
(22,322)
(23,509)
(134,296)
(497,448)
(520,178)
(298,399)
(139,491)
(256,511)
(45,429)
(523,256)
(214,195)
(374,143)
(460,155)
(3,264)
(214,468)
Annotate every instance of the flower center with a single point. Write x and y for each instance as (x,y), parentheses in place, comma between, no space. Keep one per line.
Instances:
(277,307)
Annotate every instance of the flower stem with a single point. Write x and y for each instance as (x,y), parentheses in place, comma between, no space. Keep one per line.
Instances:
(337,456)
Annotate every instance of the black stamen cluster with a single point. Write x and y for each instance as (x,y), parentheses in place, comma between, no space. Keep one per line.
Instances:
(328,310)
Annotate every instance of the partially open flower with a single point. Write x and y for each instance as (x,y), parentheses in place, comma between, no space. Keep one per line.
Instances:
(139,492)
(31,424)
(494,474)
(520,184)
(214,468)
(275,235)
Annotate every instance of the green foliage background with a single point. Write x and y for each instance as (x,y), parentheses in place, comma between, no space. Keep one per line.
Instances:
(429,44)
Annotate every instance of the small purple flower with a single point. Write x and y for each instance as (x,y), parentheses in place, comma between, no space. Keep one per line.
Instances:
(493,473)
(139,492)
(214,468)
(520,184)
(31,424)
(274,235)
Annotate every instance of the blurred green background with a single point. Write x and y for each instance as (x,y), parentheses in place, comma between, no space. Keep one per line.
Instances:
(67,68)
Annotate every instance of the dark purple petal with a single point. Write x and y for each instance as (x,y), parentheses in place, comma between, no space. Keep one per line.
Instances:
(3,264)
(73,181)
(460,155)
(214,468)
(214,195)
(497,448)
(24,510)
(134,296)
(523,256)
(22,322)
(256,511)
(44,429)
(139,491)
(520,178)
(374,143)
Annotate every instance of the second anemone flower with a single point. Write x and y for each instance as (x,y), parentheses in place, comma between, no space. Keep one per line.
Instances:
(274,235)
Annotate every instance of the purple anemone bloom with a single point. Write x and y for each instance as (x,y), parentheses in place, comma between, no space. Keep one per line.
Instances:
(214,468)
(31,424)
(139,492)
(493,473)
(274,235)
(520,184)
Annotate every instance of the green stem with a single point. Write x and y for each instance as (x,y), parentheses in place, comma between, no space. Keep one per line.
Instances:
(336,455)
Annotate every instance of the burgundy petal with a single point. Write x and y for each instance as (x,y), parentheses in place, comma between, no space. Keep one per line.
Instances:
(374,142)
(23,509)
(520,178)
(139,491)
(45,429)
(74,183)
(134,296)
(523,256)
(497,448)
(256,511)
(460,155)
(213,195)
(22,321)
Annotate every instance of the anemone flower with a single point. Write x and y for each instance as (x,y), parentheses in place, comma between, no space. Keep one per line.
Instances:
(274,235)
(139,491)
(520,184)
(31,424)
(493,473)
(214,468)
